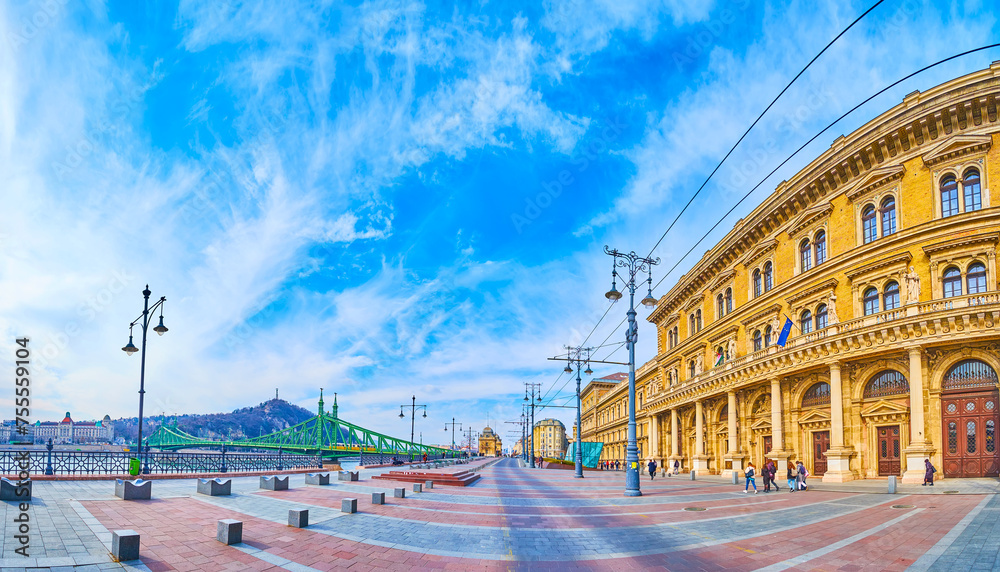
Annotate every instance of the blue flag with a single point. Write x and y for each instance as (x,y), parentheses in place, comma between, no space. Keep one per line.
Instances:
(785,330)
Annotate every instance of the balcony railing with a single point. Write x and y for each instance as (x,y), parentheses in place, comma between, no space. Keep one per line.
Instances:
(913,313)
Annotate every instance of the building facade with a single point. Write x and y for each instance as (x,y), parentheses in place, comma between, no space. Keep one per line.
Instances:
(882,255)
(489,443)
(550,439)
(78,432)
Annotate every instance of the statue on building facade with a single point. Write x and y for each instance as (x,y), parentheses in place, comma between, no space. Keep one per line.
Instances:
(699,364)
(912,286)
(732,349)
(775,328)
(831,310)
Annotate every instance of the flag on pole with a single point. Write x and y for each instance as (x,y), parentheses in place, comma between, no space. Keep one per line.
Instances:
(718,359)
(785,330)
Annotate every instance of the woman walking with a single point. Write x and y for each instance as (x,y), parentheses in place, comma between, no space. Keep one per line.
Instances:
(765,472)
(792,472)
(929,471)
(750,480)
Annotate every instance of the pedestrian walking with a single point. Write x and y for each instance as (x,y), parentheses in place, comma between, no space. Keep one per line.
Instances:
(652,468)
(802,473)
(677,466)
(792,472)
(929,471)
(618,465)
(765,472)
(749,473)
(772,473)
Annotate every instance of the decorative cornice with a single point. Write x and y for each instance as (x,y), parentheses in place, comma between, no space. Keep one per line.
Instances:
(985,238)
(884,408)
(763,248)
(698,298)
(772,309)
(727,333)
(675,317)
(808,217)
(955,147)
(876,178)
(903,257)
(807,292)
(722,279)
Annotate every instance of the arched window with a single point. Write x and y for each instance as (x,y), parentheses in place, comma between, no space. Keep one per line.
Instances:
(691,329)
(806,322)
(818,394)
(768,276)
(697,320)
(949,196)
(869,230)
(821,317)
(756,283)
(969,373)
(870,300)
(952,282)
(805,255)
(888,211)
(975,278)
(819,244)
(886,383)
(729,300)
(890,296)
(720,308)
(690,368)
(970,184)
(767,336)
(757,341)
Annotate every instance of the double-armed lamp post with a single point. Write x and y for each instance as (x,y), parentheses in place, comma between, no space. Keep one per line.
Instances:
(131,349)
(631,264)
(413,415)
(453,424)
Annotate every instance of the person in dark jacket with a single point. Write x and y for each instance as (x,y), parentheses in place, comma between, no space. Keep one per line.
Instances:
(652,468)
(677,466)
(929,471)
(802,474)
(765,473)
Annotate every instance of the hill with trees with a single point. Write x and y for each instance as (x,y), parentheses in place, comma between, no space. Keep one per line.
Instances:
(268,417)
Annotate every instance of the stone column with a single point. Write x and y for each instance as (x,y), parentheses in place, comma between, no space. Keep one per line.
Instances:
(733,455)
(777,442)
(838,457)
(675,451)
(920,447)
(700,458)
(654,436)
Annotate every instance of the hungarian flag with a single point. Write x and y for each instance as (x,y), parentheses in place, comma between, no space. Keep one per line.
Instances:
(719,358)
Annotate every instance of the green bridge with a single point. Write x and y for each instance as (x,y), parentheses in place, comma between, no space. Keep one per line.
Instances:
(325,434)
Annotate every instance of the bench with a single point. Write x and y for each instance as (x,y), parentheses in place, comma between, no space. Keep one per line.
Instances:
(215,487)
(15,490)
(318,479)
(138,489)
(274,483)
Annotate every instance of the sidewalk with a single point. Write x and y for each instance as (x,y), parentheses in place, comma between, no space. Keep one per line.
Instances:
(982,486)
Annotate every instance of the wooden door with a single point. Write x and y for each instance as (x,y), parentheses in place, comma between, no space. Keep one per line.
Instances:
(888,450)
(969,421)
(821,443)
(767,447)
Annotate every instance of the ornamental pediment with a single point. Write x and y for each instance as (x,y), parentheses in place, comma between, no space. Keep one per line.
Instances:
(822,287)
(763,248)
(815,416)
(721,279)
(763,425)
(874,179)
(956,147)
(902,259)
(766,313)
(694,301)
(884,410)
(809,216)
(672,318)
(984,239)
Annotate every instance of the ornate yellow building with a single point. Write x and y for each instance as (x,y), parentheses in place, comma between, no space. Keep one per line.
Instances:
(882,252)
(489,443)
(550,439)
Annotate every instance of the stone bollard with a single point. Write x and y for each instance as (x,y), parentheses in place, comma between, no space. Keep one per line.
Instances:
(215,487)
(274,483)
(378,498)
(350,506)
(318,478)
(663,472)
(693,475)
(15,490)
(133,490)
(229,531)
(418,488)
(124,545)
(428,484)
(892,485)
(736,478)
(298,518)
(399,492)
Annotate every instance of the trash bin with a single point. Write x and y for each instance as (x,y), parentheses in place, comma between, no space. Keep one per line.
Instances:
(133,467)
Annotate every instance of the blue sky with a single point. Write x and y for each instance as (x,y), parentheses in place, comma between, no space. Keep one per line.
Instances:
(386,199)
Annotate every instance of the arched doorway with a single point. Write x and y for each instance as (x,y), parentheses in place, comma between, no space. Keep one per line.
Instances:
(969,417)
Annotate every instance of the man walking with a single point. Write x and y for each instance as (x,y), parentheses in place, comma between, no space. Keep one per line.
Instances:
(652,468)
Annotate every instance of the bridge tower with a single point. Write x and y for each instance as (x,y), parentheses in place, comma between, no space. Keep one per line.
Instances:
(333,410)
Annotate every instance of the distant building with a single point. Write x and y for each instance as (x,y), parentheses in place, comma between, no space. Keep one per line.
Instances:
(518,449)
(550,439)
(76,432)
(489,443)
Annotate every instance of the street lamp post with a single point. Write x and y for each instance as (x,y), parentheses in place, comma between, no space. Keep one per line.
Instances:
(575,357)
(632,264)
(131,349)
(453,424)
(413,414)
(534,398)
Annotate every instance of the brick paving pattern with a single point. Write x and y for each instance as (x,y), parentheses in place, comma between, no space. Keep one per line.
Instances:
(513,518)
